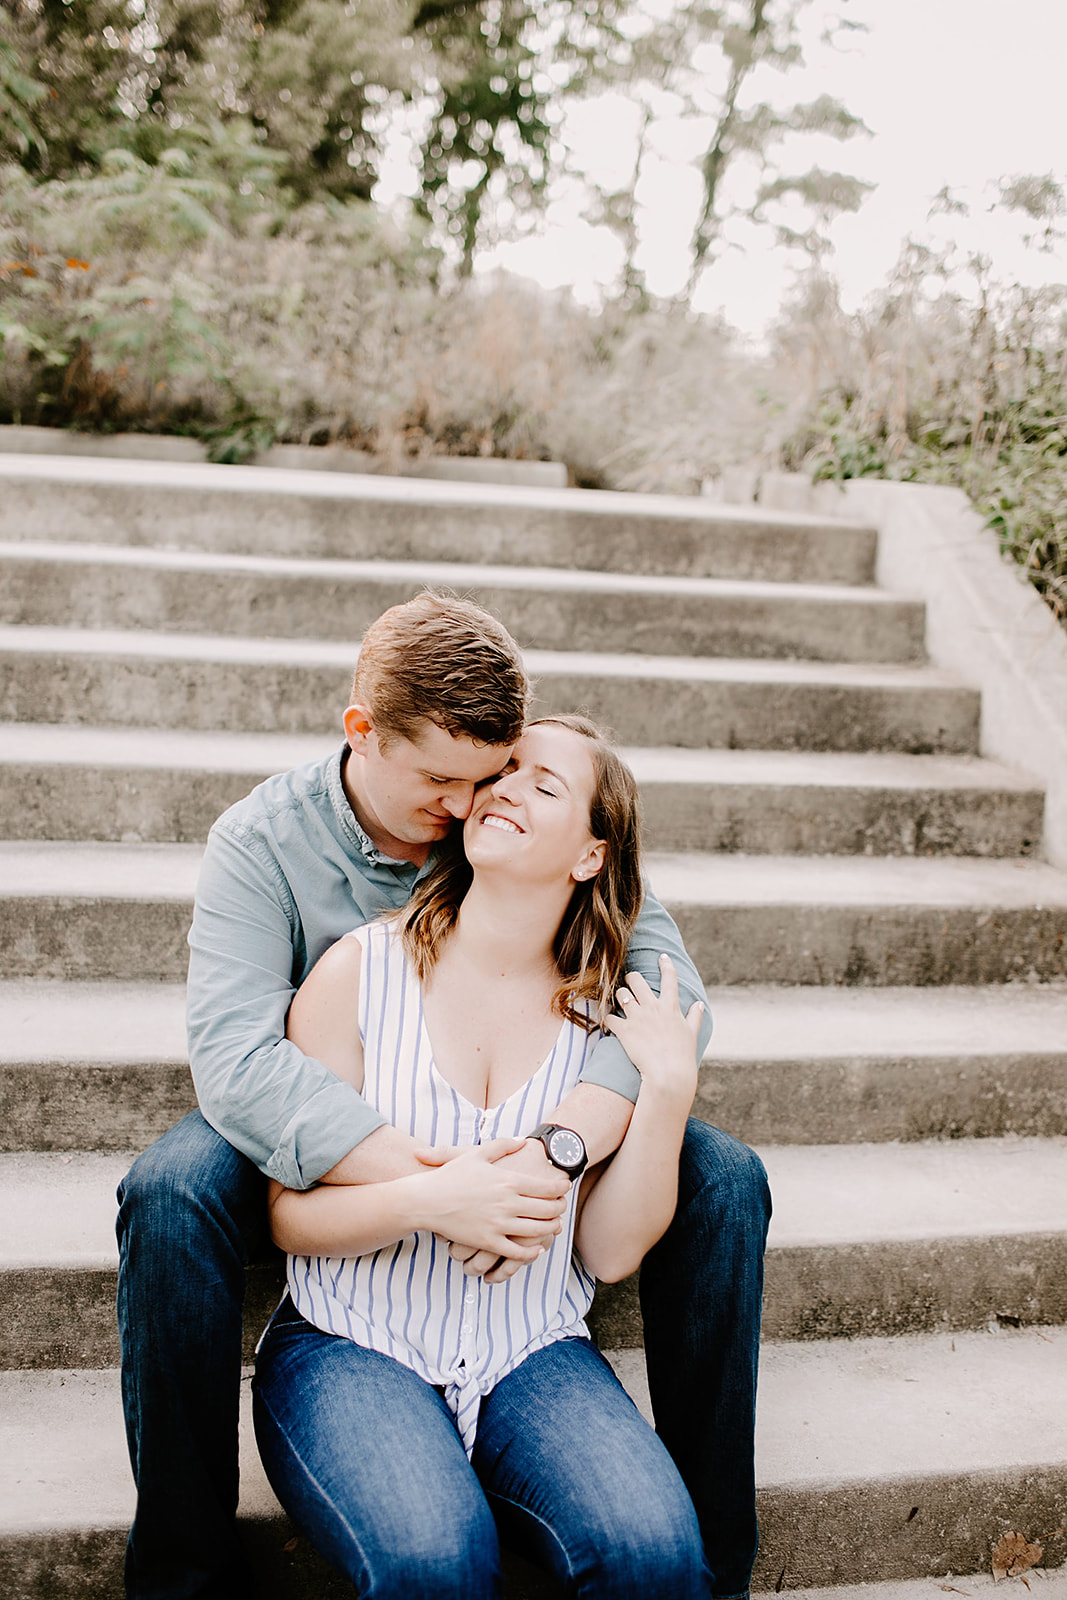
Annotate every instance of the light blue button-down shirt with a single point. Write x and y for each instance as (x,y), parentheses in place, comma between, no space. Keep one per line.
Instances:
(286,873)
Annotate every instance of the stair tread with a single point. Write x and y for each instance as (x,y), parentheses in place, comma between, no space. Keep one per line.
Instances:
(45,1020)
(148,871)
(287,481)
(254,753)
(973,1585)
(767,1022)
(147,644)
(59,1210)
(829,1412)
(454,574)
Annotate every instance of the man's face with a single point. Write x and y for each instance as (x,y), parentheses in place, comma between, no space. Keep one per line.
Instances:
(408,792)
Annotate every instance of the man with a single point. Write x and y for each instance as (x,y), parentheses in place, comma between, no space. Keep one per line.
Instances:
(439,699)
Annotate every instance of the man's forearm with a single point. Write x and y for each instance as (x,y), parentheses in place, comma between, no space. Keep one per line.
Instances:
(383,1155)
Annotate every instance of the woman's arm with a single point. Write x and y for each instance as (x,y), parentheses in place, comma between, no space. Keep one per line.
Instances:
(467,1196)
(633,1199)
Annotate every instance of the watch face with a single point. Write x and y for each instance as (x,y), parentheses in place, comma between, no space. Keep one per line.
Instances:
(566,1148)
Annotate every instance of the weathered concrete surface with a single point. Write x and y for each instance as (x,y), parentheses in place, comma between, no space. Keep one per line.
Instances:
(72,585)
(136,784)
(877,1239)
(986,622)
(849,920)
(815,1066)
(154,680)
(851,1436)
(272,512)
(21,440)
(112,911)
(102,1065)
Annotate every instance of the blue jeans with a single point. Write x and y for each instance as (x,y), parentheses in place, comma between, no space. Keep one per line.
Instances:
(192,1216)
(365,1456)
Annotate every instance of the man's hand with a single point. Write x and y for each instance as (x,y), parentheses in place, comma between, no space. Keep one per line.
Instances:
(530,1160)
(503,1206)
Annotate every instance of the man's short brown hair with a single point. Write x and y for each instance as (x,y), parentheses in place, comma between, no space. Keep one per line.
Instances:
(442,660)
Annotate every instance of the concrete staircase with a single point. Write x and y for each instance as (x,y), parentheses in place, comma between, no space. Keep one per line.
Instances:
(886,954)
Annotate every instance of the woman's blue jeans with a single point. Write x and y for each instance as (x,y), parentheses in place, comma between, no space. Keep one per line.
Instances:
(192,1216)
(366,1458)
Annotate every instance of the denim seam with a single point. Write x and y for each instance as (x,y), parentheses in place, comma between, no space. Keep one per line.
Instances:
(310,1478)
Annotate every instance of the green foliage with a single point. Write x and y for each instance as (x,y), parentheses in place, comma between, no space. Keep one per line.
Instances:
(931,385)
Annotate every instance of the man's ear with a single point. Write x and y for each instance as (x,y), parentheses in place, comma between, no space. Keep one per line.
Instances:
(359,725)
(590,861)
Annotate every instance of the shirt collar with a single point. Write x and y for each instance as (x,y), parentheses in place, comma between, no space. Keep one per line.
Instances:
(350,822)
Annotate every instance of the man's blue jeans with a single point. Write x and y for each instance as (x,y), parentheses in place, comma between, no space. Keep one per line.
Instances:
(365,1456)
(192,1216)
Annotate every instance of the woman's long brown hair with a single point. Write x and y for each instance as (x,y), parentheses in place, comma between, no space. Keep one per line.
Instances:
(594,935)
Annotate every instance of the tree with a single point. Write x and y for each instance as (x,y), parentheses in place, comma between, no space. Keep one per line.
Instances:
(698,63)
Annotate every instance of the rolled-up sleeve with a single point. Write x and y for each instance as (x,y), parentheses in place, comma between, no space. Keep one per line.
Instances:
(655,934)
(286,1111)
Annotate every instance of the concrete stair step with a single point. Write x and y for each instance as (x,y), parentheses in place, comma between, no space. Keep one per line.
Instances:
(143,679)
(122,911)
(886,1459)
(79,783)
(866,1240)
(102,1066)
(269,511)
(100,586)
(973,1585)
(815,1066)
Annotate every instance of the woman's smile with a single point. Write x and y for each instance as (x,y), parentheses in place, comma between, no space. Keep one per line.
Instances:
(493,819)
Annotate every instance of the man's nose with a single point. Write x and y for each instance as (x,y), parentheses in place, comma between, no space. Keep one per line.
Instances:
(458,800)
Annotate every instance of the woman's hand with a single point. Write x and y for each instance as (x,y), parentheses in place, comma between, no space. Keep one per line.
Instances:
(659,1040)
(471,1193)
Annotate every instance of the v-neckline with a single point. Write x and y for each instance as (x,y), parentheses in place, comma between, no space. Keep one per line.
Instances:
(485,1111)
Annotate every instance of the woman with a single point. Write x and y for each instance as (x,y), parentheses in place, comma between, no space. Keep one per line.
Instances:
(400,1406)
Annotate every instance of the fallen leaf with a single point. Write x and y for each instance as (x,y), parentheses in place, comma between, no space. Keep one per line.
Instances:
(290,1544)
(950,1588)
(1013,1555)
(781,1581)
(914,1512)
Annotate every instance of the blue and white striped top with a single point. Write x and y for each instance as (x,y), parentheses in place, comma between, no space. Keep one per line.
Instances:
(411,1300)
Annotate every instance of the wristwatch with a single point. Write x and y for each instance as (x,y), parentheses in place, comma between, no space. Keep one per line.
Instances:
(563,1147)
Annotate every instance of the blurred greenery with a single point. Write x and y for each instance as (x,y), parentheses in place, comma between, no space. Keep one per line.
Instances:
(948,376)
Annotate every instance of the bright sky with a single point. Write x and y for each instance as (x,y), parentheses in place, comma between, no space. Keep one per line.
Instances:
(956,92)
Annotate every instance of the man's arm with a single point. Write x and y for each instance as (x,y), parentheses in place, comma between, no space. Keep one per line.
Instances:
(286,1111)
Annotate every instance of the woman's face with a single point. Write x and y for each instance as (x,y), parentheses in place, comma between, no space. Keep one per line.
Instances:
(534,818)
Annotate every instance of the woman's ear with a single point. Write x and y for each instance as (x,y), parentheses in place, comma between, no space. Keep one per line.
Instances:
(590,861)
(359,725)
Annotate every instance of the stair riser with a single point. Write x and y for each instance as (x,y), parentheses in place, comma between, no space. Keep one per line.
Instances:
(886,945)
(55,1317)
(178,806)
(63,1106)
(55,937)
(281,698)
(903,1527)
(264,523)
(872,1100)
(56,1105)
(884,1288)
(812,1536)
(60,937)
(73,595)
